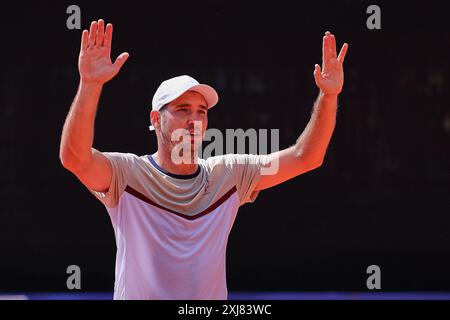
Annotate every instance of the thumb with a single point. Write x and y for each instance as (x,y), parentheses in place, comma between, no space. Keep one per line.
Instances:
(121,60)
(317,74)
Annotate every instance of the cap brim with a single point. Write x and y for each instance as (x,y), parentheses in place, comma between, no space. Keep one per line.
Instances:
(208,93)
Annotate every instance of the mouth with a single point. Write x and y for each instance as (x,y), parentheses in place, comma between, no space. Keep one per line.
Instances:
(194,133)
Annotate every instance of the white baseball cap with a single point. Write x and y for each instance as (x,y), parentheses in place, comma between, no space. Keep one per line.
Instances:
(171,89)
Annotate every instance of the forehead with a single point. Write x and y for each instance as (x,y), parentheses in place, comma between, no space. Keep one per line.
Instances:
(190,97)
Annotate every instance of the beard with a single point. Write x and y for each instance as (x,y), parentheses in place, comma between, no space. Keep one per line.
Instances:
(184,148)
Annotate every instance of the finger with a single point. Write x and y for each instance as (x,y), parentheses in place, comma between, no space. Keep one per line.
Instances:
(84,40)
(121,60)
(333,46)
(343,52)
(317,74)
(326,50)
(108,35)
(92,34)
(100,32)
(317,70)
(329,44)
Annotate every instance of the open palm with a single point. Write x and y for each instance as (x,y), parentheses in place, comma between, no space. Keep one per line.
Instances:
(330,78)
(94,62)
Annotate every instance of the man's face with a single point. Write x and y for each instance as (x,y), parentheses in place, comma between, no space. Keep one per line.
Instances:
(189,112)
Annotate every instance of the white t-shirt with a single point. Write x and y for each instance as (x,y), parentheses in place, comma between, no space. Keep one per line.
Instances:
(172,231)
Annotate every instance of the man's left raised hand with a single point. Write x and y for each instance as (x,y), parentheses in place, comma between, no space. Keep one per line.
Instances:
(330,78)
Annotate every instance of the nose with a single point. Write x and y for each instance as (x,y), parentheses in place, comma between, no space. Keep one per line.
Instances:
(195,124)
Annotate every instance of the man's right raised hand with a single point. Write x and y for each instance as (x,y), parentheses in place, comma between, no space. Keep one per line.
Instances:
(94,62)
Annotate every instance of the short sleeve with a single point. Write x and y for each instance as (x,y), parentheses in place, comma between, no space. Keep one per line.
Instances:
(246,172)
(122,166)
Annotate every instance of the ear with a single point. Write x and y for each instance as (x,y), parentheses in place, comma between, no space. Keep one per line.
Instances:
(155,119)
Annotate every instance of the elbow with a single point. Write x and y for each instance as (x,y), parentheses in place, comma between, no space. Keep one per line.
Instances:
(70,161)
(310,161)
(314,163)
(67,161)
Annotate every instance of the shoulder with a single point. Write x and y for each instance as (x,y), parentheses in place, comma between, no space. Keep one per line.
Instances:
(222,160)
(121,155)
(233,159)
(230,162)
(124,159)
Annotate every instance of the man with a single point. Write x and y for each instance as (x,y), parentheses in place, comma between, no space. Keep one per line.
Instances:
(171,211)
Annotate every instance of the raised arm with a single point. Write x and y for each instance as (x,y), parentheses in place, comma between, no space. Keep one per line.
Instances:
(96,68)
(309,151)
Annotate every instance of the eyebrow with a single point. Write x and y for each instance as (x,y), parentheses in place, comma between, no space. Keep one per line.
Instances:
(188,105)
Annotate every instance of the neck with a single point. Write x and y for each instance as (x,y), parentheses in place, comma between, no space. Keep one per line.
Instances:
(164,160)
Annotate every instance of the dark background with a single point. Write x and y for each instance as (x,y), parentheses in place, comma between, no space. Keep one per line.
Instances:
(381,197)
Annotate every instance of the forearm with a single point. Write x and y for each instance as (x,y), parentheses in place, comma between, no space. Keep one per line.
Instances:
(312,144)
(78,131)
